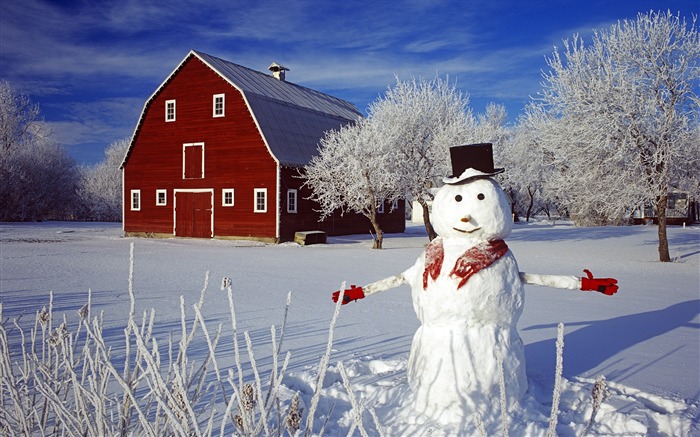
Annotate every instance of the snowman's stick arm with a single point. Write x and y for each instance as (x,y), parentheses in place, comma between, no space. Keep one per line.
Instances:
(554,281)
(607,286)
(384,284)
(354,293)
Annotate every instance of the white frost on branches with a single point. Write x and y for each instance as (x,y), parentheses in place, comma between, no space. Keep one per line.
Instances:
(101,185)
(419,121)
(401,150)
(618,119)
(351,173)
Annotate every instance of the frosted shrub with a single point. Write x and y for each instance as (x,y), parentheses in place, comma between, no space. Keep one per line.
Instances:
(61,378)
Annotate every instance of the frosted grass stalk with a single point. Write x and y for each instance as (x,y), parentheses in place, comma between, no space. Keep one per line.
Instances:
(127,337)
(258,387)
(277,346)
(186,405)
(151,368)
(234,327)
(229,406)
(377,423)
(323,365)
(109,367)
(8,384)
(356,408)
(212,347)
(190,337)
(238,398)
(554,415)
(480,426)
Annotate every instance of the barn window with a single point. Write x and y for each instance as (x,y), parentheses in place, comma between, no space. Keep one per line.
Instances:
(380,207)
(219,100)
(161,197)
(260,200)
(136,200)
(227,197)
(291,200)
(170,110)
(193,161)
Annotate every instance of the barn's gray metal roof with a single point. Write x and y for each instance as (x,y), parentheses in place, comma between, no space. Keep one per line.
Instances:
(292,118)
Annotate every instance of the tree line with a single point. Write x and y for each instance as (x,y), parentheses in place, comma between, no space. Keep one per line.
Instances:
(39,179)
(615,128)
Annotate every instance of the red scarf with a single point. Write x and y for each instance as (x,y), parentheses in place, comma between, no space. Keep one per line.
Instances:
(472,261)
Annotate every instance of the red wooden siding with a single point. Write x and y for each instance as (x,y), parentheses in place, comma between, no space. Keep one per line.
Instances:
(306,219)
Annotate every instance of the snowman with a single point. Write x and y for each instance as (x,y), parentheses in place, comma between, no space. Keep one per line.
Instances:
(468,295)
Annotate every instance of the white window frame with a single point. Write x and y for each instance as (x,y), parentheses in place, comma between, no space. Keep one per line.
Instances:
(257,192)
(224,192)
(223,105)
(380,207)
(135,202)
(169,118)
(165,197)
(292,205)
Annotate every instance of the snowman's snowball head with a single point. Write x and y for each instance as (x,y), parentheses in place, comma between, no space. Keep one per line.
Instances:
(477,209)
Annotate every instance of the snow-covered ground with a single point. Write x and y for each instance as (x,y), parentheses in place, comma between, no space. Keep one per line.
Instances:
(645,340)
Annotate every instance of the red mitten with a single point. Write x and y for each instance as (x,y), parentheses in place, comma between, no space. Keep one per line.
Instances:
(352,293)
(601,285)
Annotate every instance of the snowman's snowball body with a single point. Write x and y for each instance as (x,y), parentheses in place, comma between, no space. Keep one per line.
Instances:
(465,331)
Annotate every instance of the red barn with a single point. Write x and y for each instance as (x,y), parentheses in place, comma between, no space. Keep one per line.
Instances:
(218,150)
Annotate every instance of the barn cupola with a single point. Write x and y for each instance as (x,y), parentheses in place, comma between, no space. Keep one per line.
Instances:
(277,70)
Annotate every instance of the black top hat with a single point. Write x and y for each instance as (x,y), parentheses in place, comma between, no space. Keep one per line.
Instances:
(471,161)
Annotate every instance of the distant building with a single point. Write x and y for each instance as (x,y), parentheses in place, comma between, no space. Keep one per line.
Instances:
(681,209)
(217,152)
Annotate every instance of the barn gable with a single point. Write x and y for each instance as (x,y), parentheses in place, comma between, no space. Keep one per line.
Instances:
(291,118)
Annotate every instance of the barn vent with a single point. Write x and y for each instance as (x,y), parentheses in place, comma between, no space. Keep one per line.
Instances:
(277,70)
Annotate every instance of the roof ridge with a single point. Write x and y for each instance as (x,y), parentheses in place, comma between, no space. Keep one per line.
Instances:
(269,77)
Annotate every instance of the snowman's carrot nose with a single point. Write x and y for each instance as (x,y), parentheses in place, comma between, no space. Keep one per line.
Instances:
(465,219)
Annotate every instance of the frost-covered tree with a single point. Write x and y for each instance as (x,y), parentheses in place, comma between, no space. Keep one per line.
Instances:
(621,117)
(350,173)
(491,127)
(530,163)
(419,120)
(101,185)
(39,178)
(19,118)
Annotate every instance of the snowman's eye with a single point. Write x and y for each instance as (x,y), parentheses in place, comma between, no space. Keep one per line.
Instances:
(480,196)
(458,198)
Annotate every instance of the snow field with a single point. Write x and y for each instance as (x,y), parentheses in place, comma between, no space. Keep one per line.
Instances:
(644,339)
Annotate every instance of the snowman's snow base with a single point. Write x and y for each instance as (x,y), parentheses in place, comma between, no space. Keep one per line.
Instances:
(463,381)
(382,385)
(519,423)
(523,417)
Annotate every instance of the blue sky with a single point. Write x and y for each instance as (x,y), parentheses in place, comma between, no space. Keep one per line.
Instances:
(91,65)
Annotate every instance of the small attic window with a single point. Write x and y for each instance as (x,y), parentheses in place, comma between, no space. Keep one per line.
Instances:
(170,110)
(219,105)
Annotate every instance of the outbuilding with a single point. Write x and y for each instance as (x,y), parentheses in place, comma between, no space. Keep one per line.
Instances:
(218,150)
